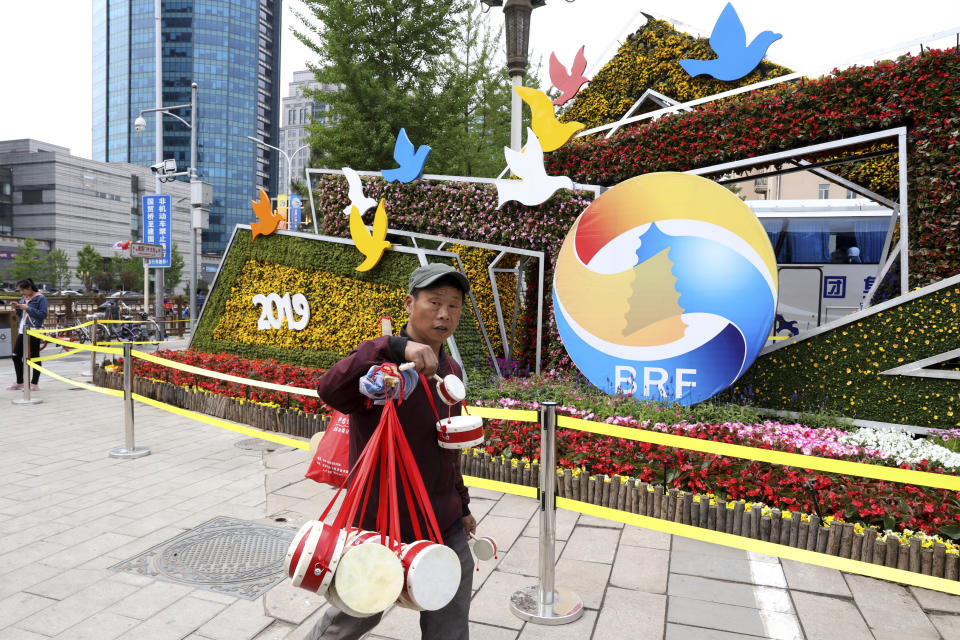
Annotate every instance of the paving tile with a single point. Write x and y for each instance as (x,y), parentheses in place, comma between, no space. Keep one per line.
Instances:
(686,632)
(641,569)
(88,550)
(592,521)
(13,633)
(486,632)
(291,604)
(100,626)
(68,582)
(23,578)
(176,621)
(639,537)
(504,530)
(947,625)
(587,579)
(59,617)
(723,568)
(889,609)
(809,577)
(242,620)
(276,631)
(513,506)
(592,544)
(398,623)
(566,521)
(21,605)
(639,612)
(735,593)
(706,548)
(936,600)
(150,600)
(491,604)
(725,617)
(572,631)
(524,557)
(480,507)
(827,618)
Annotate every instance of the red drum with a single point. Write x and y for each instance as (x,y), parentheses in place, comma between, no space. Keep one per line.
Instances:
(450,389)
(313,556)
(369,577)
(484,548)
(431,575)
(460,432)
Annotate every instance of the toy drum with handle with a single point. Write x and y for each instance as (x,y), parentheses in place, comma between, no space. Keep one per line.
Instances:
(484,548)
(450,388)
(460,432)
(369,578)
(313,556)
(431,575)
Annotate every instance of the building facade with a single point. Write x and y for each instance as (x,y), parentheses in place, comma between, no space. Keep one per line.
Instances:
(231,49)
(299,110)
(66,202)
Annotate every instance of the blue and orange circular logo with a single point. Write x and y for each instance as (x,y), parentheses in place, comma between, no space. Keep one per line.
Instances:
(665,287)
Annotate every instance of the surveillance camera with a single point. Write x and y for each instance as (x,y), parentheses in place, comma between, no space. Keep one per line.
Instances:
(158,168)
(140,125)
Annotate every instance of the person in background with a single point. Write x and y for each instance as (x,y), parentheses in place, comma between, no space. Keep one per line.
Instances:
(853,255)
(31,310)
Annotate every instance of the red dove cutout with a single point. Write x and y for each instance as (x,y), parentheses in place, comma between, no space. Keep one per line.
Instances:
(121,245)
(568,83)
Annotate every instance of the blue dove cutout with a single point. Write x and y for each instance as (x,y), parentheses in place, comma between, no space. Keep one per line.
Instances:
(729,41)
(411,162)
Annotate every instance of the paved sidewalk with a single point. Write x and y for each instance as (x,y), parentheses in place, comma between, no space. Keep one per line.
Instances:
(68,512)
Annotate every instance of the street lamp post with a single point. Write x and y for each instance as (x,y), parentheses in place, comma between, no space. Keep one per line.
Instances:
(516,17)
(288,158)
(196,198)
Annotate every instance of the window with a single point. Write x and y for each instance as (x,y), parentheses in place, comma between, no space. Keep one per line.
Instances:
(851,194)
(824,192)
(291,115)
(759,182)
(33,197)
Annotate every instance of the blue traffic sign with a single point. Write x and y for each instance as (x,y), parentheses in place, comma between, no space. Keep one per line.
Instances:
(157,227)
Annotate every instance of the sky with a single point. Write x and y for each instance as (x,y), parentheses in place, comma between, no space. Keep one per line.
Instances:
(46,45)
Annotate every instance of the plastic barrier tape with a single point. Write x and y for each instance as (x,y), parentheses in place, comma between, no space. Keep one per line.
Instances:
(74,345)
(842,467)
(82,385)
(223,376)
(62,329)
(223,424)
(768,548)
(500,487)
(504,414)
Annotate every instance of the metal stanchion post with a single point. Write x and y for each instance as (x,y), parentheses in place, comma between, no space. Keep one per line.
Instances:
(26,399)
(129,450)
(93,354)
(546,603)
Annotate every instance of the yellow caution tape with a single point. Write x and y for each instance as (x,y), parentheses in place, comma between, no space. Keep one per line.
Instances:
(54,356)
(83,385)
(500,487)
(223,424)
(768,548)
(140,342)
(223,376)
(828,465)
(504,414)
(76,345)
(62,329)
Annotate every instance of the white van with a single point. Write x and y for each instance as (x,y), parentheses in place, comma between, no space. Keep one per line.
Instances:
(828,256)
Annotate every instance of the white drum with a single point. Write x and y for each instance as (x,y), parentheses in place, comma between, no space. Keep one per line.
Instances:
(460,432)
(485,548)
(451,389)
(313,556)
(369,579)
(431,575)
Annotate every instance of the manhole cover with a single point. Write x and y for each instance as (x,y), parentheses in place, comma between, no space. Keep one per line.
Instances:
(225,555)
(256,444)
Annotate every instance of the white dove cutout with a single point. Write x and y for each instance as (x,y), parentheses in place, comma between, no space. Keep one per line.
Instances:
(357,199)
(534,186)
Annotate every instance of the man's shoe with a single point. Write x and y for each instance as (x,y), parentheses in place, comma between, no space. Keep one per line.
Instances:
(15,387)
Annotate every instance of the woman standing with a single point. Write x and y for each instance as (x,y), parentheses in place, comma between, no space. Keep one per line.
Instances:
(31,311)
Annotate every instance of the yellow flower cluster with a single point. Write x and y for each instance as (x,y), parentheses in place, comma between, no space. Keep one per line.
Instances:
(475,262)
(343,311)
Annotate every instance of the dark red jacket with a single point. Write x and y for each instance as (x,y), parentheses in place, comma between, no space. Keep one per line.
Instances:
(440,468)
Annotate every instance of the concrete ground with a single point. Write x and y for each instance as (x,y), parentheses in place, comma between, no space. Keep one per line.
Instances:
(68,512)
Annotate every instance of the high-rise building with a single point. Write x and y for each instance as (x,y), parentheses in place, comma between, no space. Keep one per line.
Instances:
(231,49)
(297,112)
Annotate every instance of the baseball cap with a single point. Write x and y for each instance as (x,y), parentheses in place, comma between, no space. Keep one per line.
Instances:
(426,275)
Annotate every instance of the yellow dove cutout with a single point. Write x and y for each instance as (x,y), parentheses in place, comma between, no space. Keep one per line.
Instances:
(268,222)
(370,245)
(552,133)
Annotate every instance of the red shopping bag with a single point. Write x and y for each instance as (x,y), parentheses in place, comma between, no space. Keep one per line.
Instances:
(331,462)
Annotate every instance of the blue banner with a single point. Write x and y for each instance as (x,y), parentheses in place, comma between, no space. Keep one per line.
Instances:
(157,227)
(296,213)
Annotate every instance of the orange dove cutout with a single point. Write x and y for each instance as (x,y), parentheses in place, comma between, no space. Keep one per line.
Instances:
(268,221)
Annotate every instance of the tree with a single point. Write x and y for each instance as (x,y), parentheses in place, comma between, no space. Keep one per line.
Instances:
(27,263)
(89,263)
(130,273)
(174,273)
(57,269)
(387,57)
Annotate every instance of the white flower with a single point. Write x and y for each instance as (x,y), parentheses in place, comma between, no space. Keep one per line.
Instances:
(901,447)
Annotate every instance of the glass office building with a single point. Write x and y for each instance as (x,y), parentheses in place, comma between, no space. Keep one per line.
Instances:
(231,49)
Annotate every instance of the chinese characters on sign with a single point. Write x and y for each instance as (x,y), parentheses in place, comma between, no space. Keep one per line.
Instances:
(296,213)
(157,218)
(835,287)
